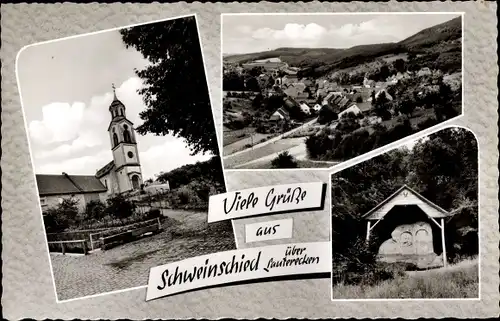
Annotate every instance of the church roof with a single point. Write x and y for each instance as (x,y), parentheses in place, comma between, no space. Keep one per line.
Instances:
(380,210)
(68,184)
(105,169)
(116,102)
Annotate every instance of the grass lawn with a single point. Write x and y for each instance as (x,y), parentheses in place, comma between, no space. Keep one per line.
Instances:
(237,140)
(263,151)
(231,136)
(455,281)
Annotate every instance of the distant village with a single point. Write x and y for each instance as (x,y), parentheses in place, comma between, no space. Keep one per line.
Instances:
(266,98)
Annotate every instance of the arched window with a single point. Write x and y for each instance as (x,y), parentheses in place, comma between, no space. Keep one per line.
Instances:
(121,112)
(126,136)
(115,139)
(106,183)
(135,182)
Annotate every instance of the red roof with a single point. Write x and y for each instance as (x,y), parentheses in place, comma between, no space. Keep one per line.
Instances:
(68,184)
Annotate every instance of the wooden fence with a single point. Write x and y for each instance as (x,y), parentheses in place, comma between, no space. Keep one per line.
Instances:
(97,240)
(84,241)
(72,246)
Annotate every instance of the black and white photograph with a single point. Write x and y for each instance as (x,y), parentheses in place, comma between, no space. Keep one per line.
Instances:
(124,149)
(315,90)
(405,224)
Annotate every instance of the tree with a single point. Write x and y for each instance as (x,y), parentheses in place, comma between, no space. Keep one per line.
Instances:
(399,65)
(407,104)
(257,101)
(252,84)
(381,106)
(233,81)
(94,210)
(270,82)
(175,88)
(326,115)
(120,207)
(62,216)
(284,160)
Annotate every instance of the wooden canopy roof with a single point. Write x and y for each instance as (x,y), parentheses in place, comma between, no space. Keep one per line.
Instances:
(405,196)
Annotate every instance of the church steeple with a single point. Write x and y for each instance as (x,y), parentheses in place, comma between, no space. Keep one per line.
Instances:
(117,109)
(126,174)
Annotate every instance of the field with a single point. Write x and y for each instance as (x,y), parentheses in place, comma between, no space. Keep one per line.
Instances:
(263,151)
(455,281)
(236,140)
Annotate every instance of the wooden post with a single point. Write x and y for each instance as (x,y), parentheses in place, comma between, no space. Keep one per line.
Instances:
(368,231)
(443,242)
(84,247)
(91,242)
(159,223)
(62,248)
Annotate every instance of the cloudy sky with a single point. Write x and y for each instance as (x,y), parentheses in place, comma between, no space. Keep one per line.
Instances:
(66,89)
(254,33)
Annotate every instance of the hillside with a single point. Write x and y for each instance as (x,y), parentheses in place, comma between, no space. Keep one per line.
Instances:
(444,32)
(441,38)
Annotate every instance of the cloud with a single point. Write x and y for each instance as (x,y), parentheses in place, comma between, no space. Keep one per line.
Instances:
(166,157)
(319,34)
(75,166)
(61,122)
(73,138)
(292,31)
(244,29)
(78,126)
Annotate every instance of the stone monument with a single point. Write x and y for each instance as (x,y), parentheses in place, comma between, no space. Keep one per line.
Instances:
(411,243)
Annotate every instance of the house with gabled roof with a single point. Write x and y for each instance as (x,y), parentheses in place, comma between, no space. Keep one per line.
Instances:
(53,189)
(280,114)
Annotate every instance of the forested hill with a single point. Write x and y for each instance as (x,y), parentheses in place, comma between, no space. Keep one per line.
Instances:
(444,32)
(441,38)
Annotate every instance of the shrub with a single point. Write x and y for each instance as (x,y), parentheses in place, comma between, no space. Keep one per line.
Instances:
(120,207)
(95,210)
(62,216)
(184,195)
(284,160)
(428,122)
(326,115)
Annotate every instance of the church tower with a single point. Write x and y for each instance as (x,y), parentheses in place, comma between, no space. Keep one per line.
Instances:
(121,131)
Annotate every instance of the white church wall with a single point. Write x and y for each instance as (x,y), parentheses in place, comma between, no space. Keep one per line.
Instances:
(124,181)
(133,150)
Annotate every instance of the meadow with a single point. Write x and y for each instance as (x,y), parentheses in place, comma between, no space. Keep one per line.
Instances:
(455,281)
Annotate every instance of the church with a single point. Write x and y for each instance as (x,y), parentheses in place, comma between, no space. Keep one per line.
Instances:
(123,173)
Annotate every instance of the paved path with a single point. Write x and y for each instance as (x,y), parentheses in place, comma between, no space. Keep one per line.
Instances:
(128,265)
(299,152)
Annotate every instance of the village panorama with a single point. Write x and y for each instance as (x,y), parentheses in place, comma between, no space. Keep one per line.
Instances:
(316,107)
